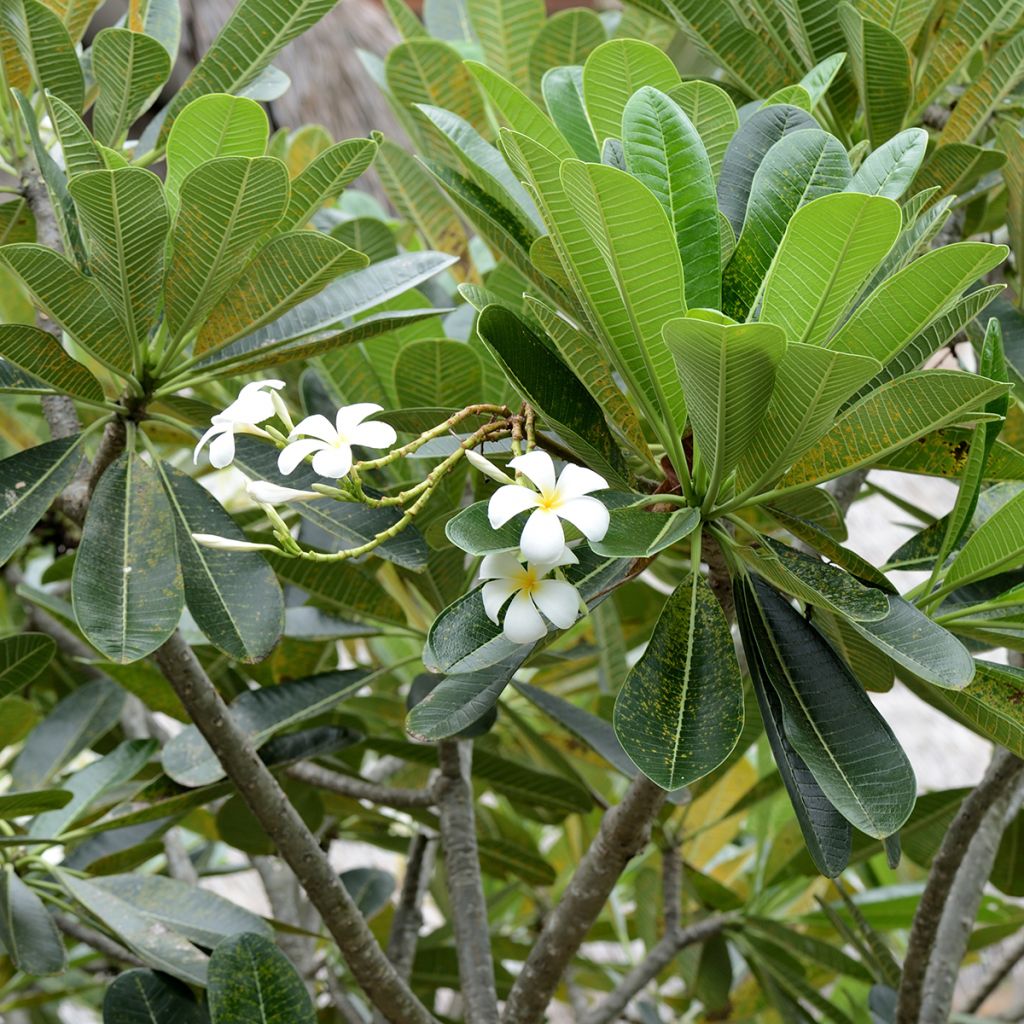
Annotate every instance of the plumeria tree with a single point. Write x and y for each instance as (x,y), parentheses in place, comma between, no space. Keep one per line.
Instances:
(527,570)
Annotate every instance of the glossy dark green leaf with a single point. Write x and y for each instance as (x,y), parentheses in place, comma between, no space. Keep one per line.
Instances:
(462,706)
(127,588)
(27,931)
(641,533)
(680,710)
(22,658)
(233,596)
(252,982)
(145,997)
(29,482)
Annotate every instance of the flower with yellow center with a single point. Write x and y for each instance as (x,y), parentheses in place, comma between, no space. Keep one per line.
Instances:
(330,444)
(532,592)
(554,500)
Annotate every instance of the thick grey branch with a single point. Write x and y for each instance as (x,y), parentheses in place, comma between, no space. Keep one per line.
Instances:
(360,789)
(660,956)
(624,831)
(465,886)
(295,843)
(1002,776)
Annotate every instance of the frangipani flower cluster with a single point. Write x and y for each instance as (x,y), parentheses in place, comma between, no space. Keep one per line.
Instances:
(541,545)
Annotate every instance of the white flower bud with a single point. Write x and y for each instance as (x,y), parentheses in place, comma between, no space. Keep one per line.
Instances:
(212,540)
(267,493)
(488,468)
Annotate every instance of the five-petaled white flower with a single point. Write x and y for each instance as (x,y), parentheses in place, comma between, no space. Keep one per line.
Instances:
(543,538)
(252,406)
(331,444)
(531,594)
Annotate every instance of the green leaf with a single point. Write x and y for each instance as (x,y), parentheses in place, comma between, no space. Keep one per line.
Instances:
(250,39)
(613,73)
(506,30)
(462,706)
(881,69)
(639,533)
(81,153)
(27,931)
(244,971)
(665,152)
(14,805)
(77,721)
(829,250)
(125,221)
(817,81)
(727,371)
(154,944)
(830,722)
(126,588)
(562,88)
(325,177)
(234,597)
(437,373)
(545,382)
(261,714)
(566,38)
(953,169)
(370,889)
(89,784)
(29,482)
(40,354)
(798,169)
(227,207)
(887,419)
(74,301)
(288,270)
(145,997)
(23,657)
(747,149)
(712,113)
(889,169)
(680,710)
(47,49)
(130,69)
(996,546)
(903,18)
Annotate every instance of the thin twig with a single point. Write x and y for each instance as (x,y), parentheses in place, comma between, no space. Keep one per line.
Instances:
(671,888)
(465,886)
(360,789)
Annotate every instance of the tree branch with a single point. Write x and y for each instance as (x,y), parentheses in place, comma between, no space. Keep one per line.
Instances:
(465,886)
(624,831)
(1010,956)
(360,789)
(1003,774)
(97,940)
(846,488)
(408,919)
(295,843)
(660,956)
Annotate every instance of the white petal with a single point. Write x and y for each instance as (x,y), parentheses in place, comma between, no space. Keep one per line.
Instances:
(559,601)
(509,501)
(211,540)
(566,557)
(259,385)
(373,434)
(523,623)
(542,540)
(333,463)
(588,515)
(267,493)
(222,451)
(292,454)
(252,408)
(504,565)
(487,467)
(350,416)
(494,594)
(217,428)
(576,480)
(538,467)
(316,426)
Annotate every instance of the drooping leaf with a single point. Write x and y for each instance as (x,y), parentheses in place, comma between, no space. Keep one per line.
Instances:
(952,170)
(130,69)
(127,588)
(680,711)
(142,996)
(28,933)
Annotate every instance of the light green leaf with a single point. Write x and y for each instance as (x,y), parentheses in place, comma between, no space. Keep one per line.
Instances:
(22,658)
(47,49)
(74,301)
(889,169)
(125,222)
(325,177)
(39,353)
(562,88)
(211,127)
(29,482)
(79,148)
(665,152)
(712,113)
(680,711)
(727,371)
(996,546)
(126,588)
(829,250)
(566,38)
(881,69)
(130,69)
(908,301)
(903,18)
(616,70)
(227,206)
(817,81)
(506,30)
(28,933)
(436,373)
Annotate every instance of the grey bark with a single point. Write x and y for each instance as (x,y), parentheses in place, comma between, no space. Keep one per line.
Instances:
(1009,956)
(359,789)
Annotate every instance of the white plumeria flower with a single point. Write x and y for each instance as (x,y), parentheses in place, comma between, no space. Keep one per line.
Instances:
(330,444)
(531,594)
(543,537)
(252,406)
(267,493)
(212,540)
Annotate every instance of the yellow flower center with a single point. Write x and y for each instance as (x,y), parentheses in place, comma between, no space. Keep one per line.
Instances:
(549,501)
(527,580)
